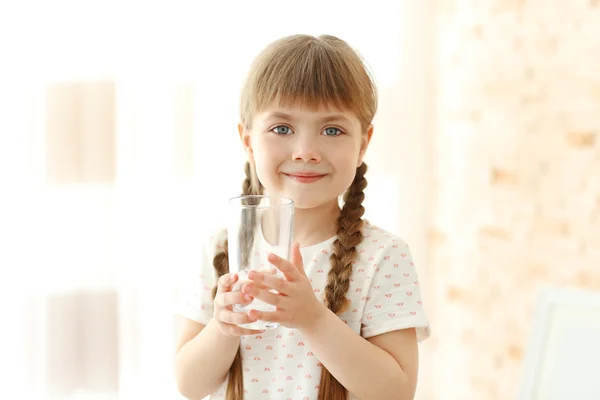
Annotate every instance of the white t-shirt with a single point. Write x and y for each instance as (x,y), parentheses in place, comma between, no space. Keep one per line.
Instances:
(384,296)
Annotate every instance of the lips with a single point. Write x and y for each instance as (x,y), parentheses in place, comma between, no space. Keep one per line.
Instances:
(305,177)
(304,174)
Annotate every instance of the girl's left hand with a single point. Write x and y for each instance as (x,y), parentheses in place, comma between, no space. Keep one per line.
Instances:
(297,305)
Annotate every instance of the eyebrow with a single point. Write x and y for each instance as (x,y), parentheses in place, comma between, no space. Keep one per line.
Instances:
(328,118)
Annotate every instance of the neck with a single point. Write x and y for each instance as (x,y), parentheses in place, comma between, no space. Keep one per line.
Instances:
(315,225)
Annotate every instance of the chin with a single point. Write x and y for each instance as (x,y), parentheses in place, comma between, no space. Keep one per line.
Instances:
(307,202)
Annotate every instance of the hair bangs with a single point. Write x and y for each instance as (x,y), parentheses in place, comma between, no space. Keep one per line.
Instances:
(316,73)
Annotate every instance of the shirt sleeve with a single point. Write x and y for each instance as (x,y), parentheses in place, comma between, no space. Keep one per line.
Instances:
(194,300)
(394,299)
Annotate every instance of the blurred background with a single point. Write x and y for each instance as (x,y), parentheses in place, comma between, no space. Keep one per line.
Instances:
(118,149)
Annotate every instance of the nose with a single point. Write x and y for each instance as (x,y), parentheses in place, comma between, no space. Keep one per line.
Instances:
(306,148)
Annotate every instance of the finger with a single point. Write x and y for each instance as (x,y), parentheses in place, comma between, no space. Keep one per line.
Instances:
(230,298)
(269,316)
(258,285)
(225,282)
(270,270)
(289,270)
(238,331)
(297,258)
(238,285)
(262,286)
(264,295)
(267,281)
(234,318)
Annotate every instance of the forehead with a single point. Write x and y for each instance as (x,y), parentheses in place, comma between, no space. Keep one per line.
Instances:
(305,113)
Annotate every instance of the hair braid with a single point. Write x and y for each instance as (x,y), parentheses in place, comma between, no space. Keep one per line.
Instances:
(235,385)
(349,235)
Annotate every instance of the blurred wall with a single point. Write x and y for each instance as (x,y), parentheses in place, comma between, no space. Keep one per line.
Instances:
(517,179)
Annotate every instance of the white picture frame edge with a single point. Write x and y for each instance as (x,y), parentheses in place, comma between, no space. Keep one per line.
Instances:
(549,296)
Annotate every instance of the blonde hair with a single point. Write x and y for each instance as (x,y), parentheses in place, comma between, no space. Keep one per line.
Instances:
(314,72)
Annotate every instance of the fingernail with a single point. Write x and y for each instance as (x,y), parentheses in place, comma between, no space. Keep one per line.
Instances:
(247,298)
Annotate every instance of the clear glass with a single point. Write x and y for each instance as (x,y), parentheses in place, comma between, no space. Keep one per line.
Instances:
(258,225)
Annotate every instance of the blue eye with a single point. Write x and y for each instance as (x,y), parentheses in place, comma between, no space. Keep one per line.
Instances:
(331,131)
(282,130)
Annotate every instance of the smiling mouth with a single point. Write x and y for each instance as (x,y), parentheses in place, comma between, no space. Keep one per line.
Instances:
(305,177)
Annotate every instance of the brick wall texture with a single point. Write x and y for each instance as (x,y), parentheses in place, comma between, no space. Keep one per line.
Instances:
(517,178)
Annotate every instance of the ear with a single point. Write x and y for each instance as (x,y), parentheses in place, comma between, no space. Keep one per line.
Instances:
(245,139)
(364,144)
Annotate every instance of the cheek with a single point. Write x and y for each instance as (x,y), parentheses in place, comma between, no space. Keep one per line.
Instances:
(266,161)
(264,147)
(346,168)
(263,167)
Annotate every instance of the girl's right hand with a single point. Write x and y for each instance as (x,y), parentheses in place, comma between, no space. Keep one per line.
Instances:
(223,313)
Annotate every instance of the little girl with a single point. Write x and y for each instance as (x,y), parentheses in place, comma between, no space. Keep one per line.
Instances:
(349,302)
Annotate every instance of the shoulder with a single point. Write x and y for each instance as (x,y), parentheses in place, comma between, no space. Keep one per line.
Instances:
(377,240)
(214,242)
(382,250)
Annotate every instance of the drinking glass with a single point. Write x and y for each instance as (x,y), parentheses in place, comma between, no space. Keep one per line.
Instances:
(258,225)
